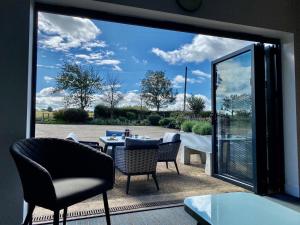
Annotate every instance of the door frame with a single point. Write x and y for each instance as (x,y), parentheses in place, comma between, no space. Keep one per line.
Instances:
(258,117)
(133,20)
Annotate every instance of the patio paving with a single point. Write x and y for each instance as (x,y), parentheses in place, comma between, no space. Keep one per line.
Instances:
(191,181)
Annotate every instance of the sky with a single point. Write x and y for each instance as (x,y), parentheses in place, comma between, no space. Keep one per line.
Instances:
(127,52)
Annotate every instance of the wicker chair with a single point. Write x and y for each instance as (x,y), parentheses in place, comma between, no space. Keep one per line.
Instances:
(58,173)
(137,157)
(168,149)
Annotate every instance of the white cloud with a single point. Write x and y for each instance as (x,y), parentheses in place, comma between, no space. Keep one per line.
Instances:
(95,44)
(48,66)
(200,73)
(60,33)
(100,59)
(48,79)
(201,48)
(46,97)
(233,71)
(107,62)
(136,60)
(178,105)
(179,79)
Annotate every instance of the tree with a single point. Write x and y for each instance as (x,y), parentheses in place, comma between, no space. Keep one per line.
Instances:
(112,92)
(235,103)
(79,83)
(196,104)
(157,90)
(49,109)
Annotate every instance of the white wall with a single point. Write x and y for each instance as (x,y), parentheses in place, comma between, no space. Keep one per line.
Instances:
(289,117)
(14,45)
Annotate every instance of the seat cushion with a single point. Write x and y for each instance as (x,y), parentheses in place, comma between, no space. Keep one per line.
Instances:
(171,137)
(73,190)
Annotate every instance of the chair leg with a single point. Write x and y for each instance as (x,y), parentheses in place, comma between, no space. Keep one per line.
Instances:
(56,218)
(176,167)
(28,219)
(128,183)
(167,165)
(65,216)
(106,208)
(147,176)
(155,180)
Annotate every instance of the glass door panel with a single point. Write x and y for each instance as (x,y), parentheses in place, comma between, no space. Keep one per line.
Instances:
(233,116)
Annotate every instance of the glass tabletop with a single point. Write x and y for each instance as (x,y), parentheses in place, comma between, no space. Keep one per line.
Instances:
(239,209)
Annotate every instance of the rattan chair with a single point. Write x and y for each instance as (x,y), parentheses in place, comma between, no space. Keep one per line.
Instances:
(137,157)
(168,149)
(58,173)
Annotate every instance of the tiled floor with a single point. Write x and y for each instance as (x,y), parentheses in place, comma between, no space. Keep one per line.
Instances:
(169,216)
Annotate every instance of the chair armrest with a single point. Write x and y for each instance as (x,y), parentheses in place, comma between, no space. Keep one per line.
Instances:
(36,180)
(92,144)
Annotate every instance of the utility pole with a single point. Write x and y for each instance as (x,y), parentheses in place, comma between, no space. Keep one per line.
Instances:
(184,97)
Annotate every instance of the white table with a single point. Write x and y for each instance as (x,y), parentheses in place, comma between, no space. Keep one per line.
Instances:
(239,209)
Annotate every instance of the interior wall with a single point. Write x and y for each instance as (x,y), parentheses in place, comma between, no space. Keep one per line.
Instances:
(297,69)
(14,45)
(289,116)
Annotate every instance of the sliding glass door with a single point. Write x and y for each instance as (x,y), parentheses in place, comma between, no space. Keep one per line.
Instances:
(239,116)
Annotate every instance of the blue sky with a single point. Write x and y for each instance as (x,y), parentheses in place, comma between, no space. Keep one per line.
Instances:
(125,51)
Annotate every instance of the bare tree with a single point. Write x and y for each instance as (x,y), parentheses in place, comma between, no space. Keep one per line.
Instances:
(112,92)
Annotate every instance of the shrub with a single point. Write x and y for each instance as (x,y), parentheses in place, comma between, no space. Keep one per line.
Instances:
(187,125)
(101,111)
(154,119)
(144,122)
(59,114)
(202,128)
(122,119)
(75,115)
(169,122)
(100,121)
(130,115)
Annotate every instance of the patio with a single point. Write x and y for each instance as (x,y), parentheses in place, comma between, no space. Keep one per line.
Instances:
(173,188)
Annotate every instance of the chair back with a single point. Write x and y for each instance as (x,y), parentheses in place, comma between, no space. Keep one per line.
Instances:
(171,137)
(168,150)
(137,156)
(110,133)
(35,158)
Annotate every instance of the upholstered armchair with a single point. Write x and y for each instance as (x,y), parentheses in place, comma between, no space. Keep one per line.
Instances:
(137,157)
(168,149)
(56,174)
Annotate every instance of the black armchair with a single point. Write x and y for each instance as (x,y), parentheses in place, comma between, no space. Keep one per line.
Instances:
(56,174)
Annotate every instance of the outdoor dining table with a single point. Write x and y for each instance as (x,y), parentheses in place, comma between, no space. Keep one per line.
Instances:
(117,141)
